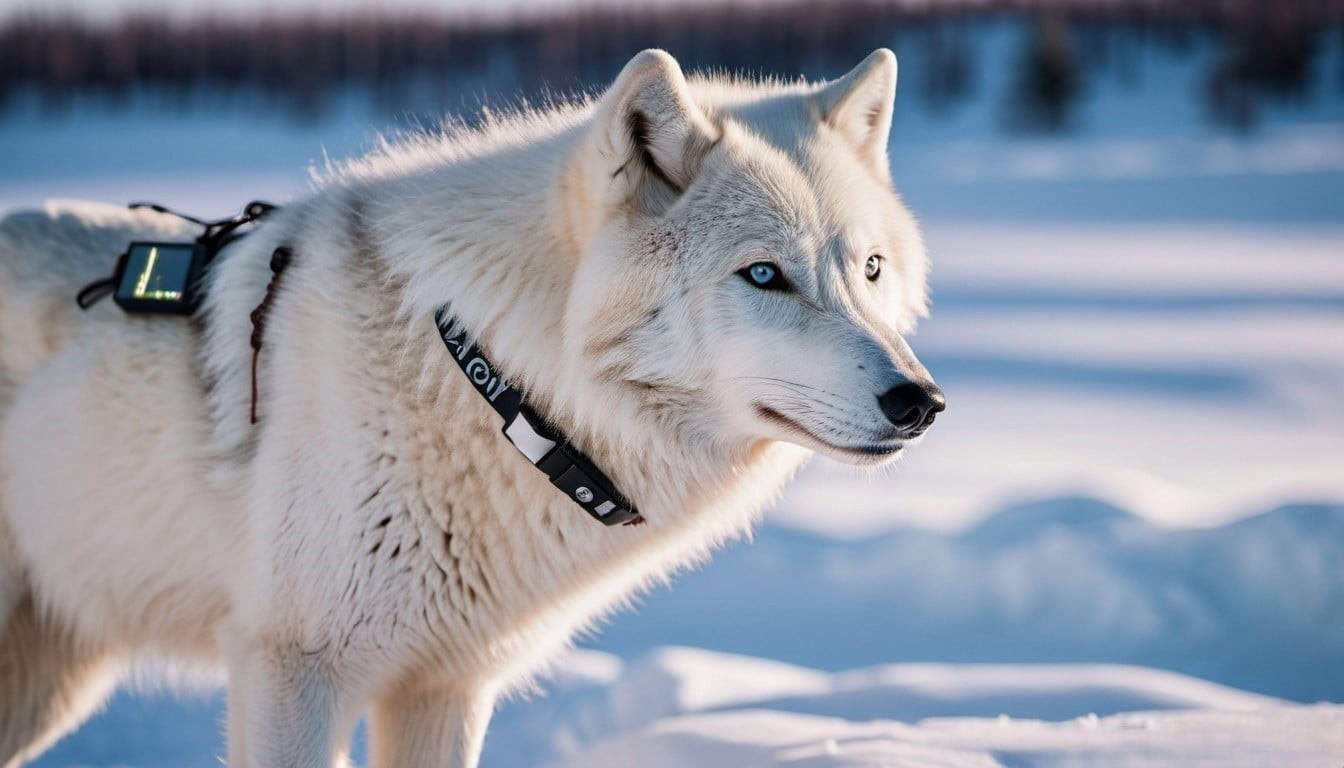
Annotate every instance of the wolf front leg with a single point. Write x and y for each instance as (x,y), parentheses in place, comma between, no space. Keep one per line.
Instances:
(292,711)
(429,726)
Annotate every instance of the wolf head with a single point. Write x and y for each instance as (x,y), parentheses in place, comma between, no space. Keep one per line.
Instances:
(747,269)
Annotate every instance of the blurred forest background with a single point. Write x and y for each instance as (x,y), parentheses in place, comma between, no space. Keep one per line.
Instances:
(414,60)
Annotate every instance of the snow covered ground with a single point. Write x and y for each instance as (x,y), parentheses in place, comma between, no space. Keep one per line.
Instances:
(683,707)
(1123,544)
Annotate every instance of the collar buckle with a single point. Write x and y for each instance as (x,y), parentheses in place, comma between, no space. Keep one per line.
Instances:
(567,468)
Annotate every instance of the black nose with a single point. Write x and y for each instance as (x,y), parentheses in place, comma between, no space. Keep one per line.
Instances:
(911,407)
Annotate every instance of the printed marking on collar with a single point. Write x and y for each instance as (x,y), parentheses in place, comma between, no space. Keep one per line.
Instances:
(564,465)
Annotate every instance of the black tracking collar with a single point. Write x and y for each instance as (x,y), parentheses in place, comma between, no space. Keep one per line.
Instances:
(547,449)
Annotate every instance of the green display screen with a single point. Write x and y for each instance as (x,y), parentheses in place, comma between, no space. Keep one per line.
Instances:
(156,272)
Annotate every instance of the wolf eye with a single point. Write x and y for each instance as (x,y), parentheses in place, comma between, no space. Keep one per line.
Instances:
(873,268)
(765,275)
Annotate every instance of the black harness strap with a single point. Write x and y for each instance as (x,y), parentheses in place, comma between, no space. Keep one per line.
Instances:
(566,466)
(220,232)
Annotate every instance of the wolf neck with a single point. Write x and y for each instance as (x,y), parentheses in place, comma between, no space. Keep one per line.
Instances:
(496,237)
(483,234)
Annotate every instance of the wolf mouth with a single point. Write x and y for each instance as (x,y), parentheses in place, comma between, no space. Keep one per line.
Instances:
(867,449)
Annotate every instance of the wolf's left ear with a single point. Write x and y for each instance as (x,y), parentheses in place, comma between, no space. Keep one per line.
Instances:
(859,104)
(652,132)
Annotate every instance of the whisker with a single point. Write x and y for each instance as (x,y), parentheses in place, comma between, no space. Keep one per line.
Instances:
(788,382)
(821,395)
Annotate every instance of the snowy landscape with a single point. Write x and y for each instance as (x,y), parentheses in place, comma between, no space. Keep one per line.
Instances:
(1122,544)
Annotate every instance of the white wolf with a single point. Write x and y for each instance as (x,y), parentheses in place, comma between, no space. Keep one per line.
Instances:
(699,282)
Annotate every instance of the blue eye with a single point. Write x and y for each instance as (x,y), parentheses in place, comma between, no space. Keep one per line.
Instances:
(765,275)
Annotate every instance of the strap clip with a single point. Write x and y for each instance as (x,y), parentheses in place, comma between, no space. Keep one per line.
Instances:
(567,468)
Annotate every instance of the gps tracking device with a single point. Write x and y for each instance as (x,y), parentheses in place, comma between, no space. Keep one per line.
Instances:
(164,278)
(159,277)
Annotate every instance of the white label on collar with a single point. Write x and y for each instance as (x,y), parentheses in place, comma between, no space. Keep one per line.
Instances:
(525,438)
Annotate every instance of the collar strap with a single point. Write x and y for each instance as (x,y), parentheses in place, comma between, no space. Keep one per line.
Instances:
(566,466)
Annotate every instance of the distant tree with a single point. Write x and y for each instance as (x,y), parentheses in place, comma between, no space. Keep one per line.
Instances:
(428,64)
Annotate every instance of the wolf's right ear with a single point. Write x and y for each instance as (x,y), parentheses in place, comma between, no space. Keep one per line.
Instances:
(651,132)
(859,104)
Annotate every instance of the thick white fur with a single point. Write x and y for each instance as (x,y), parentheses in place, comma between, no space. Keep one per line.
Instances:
(374,544)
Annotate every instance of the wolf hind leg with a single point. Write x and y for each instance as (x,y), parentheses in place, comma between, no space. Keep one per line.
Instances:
(49,682)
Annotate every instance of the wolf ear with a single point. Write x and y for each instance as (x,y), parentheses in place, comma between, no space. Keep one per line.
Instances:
(652,133)
(859,104)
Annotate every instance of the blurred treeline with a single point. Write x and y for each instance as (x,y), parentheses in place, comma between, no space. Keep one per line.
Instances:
(1265,49)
